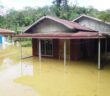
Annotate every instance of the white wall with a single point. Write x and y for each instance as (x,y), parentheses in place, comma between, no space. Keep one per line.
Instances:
(3,39)
(5,42)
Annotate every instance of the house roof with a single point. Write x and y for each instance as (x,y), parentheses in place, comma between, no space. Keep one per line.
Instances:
(92,18)
(78,35)
(69,24)
(6,31)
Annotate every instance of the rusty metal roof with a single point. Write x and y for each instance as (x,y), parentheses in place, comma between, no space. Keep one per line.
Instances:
(69,24)
(78,35)
(92,18)
(6,31)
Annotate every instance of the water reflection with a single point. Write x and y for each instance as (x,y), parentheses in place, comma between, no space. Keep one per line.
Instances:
(7,62)
(26,69)
(52,77)
(3,46)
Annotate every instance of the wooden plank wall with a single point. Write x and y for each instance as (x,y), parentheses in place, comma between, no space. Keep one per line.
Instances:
(35,47)
(74,49)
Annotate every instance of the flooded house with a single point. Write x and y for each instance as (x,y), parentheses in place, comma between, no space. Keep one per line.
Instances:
(62,39)
(98,25)
(6,37)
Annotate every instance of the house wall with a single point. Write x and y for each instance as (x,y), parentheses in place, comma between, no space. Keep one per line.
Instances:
(95,25)
(74,49)
(83,49)
(49,26)
(61,49)
(108,44)
(4,39)
(1,39)
(88,49)
(35,48)
(56,48)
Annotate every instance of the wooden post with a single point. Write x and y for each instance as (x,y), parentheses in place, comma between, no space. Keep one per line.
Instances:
(64,52)
(21,47)
(39,50)
(99,54)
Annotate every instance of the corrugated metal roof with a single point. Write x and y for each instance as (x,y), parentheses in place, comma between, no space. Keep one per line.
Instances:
(6,31)
(66,23)
(92,18)
(78,35)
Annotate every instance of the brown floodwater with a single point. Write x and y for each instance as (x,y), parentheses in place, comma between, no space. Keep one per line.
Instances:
(50,77)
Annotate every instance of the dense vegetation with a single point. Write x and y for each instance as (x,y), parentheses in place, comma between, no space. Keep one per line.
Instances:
(18,19)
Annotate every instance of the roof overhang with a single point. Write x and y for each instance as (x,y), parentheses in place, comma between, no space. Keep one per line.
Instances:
(78,35)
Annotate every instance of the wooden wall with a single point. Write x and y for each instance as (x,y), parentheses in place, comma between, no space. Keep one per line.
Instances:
(61,49)
(56,48)
(83,49)
(74,49)
(35,48)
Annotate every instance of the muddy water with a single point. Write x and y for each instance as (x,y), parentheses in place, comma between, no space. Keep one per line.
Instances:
(29,77)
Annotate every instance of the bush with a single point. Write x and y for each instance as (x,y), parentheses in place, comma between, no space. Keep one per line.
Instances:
(26,42)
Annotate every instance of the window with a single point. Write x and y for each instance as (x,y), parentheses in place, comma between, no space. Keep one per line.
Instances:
(47,47)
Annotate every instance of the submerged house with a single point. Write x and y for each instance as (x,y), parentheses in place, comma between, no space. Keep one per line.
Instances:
(98,25)
(5,35)
(62,39)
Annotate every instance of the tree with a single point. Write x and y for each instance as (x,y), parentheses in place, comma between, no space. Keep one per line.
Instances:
(57,3)
(105,16)
(61,8)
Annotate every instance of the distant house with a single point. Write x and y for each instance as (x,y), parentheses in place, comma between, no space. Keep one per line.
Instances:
(62,39)
(6,36)
(95,24)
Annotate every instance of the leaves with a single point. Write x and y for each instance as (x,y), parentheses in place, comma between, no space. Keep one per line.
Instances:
(105,16)
(21,18)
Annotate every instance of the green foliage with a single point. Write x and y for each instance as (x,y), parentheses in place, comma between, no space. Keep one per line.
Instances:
(105,16)
(26,42)
(16,19)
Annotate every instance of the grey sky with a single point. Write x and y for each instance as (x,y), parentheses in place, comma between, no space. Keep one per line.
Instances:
(19,4)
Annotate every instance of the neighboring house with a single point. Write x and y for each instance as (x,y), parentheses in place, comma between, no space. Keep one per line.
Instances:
(95,24)
(6,37)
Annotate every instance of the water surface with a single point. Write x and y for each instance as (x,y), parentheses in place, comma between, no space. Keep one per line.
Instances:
(30,77)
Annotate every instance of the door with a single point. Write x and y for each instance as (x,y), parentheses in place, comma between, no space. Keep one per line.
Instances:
(47,47)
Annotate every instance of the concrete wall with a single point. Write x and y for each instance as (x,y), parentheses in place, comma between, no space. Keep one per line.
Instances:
(95,25)
(49,26)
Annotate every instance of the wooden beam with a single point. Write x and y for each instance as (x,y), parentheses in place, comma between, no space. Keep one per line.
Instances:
(21,48)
